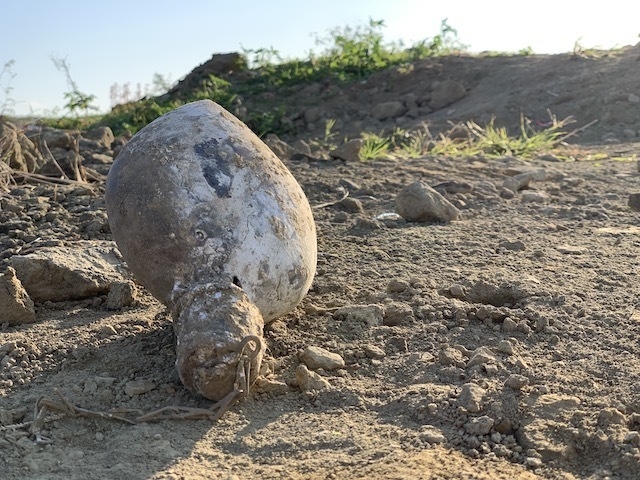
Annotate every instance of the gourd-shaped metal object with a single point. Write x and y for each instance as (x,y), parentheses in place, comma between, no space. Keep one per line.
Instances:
(214,225)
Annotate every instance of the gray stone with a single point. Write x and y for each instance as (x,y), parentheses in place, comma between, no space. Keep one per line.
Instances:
(385,110)
(479,425)
(16,308)
(516,382)
(55,138)
(518,182)
(398,314)
(121,294)
(481,356)
(68,273)
(282,149)
(103,135)
(419,202)
(138,387)
(634,200)
(513,245)
(310,381)
(445,93)
(348,151)
(471,397)
(533,196)
(431,434)
(351,205)
(317,357)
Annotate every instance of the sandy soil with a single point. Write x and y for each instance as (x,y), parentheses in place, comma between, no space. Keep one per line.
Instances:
(501,345)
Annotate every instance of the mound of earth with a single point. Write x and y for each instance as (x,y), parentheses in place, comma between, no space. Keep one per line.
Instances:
(501,344)
(599,90)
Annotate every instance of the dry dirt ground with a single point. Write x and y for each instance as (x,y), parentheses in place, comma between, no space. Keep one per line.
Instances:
(501,345)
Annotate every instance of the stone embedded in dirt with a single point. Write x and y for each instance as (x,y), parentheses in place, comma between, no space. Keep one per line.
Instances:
(546,426)
(398,286)
(453,187)
(270,386)
(282,149)
(351,205)
(348,151)
(386,110)
(457,290)
(103,135)
(634,201)
(317,357)
(451,356)
(55,138)
(373,351)
(138,387)
(121,294)
(479,425)
(431,434)
(532,196)
(445,93)
(481,356)
(611,416)
(418,202)
(471,397)
(505,346)
(310,381)
(16,306)
(571,249)
(68,273)
(516,382)
(369,315)
(397,314)
(312,114)
(513,245)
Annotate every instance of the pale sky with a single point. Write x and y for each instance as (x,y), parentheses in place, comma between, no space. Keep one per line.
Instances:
(118,41)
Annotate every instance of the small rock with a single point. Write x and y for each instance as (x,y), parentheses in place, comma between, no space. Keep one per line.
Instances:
(398,286)
(513,245)
(103,135)
(479,426)
(509,325)
(532,196)
(348,151)
(454,186)
(121,294)
(634,201)
(316,357)
(107,331)
(457,290)
(471,396)
(397,314)
(451,356)
(507,194)
(481,356)
(372,351)
(505,346)
(398,344)
(369,315)
(16,306)
(518,182)
(309,381)
(385,110)
(419,202)
(533,462)
(273,387)
(516,382)
(351,205)
(432,435)
(571,249)
(138,387)
(283,150)
(68,273)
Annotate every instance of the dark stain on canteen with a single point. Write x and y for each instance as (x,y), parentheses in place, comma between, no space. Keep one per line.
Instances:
(215,170)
